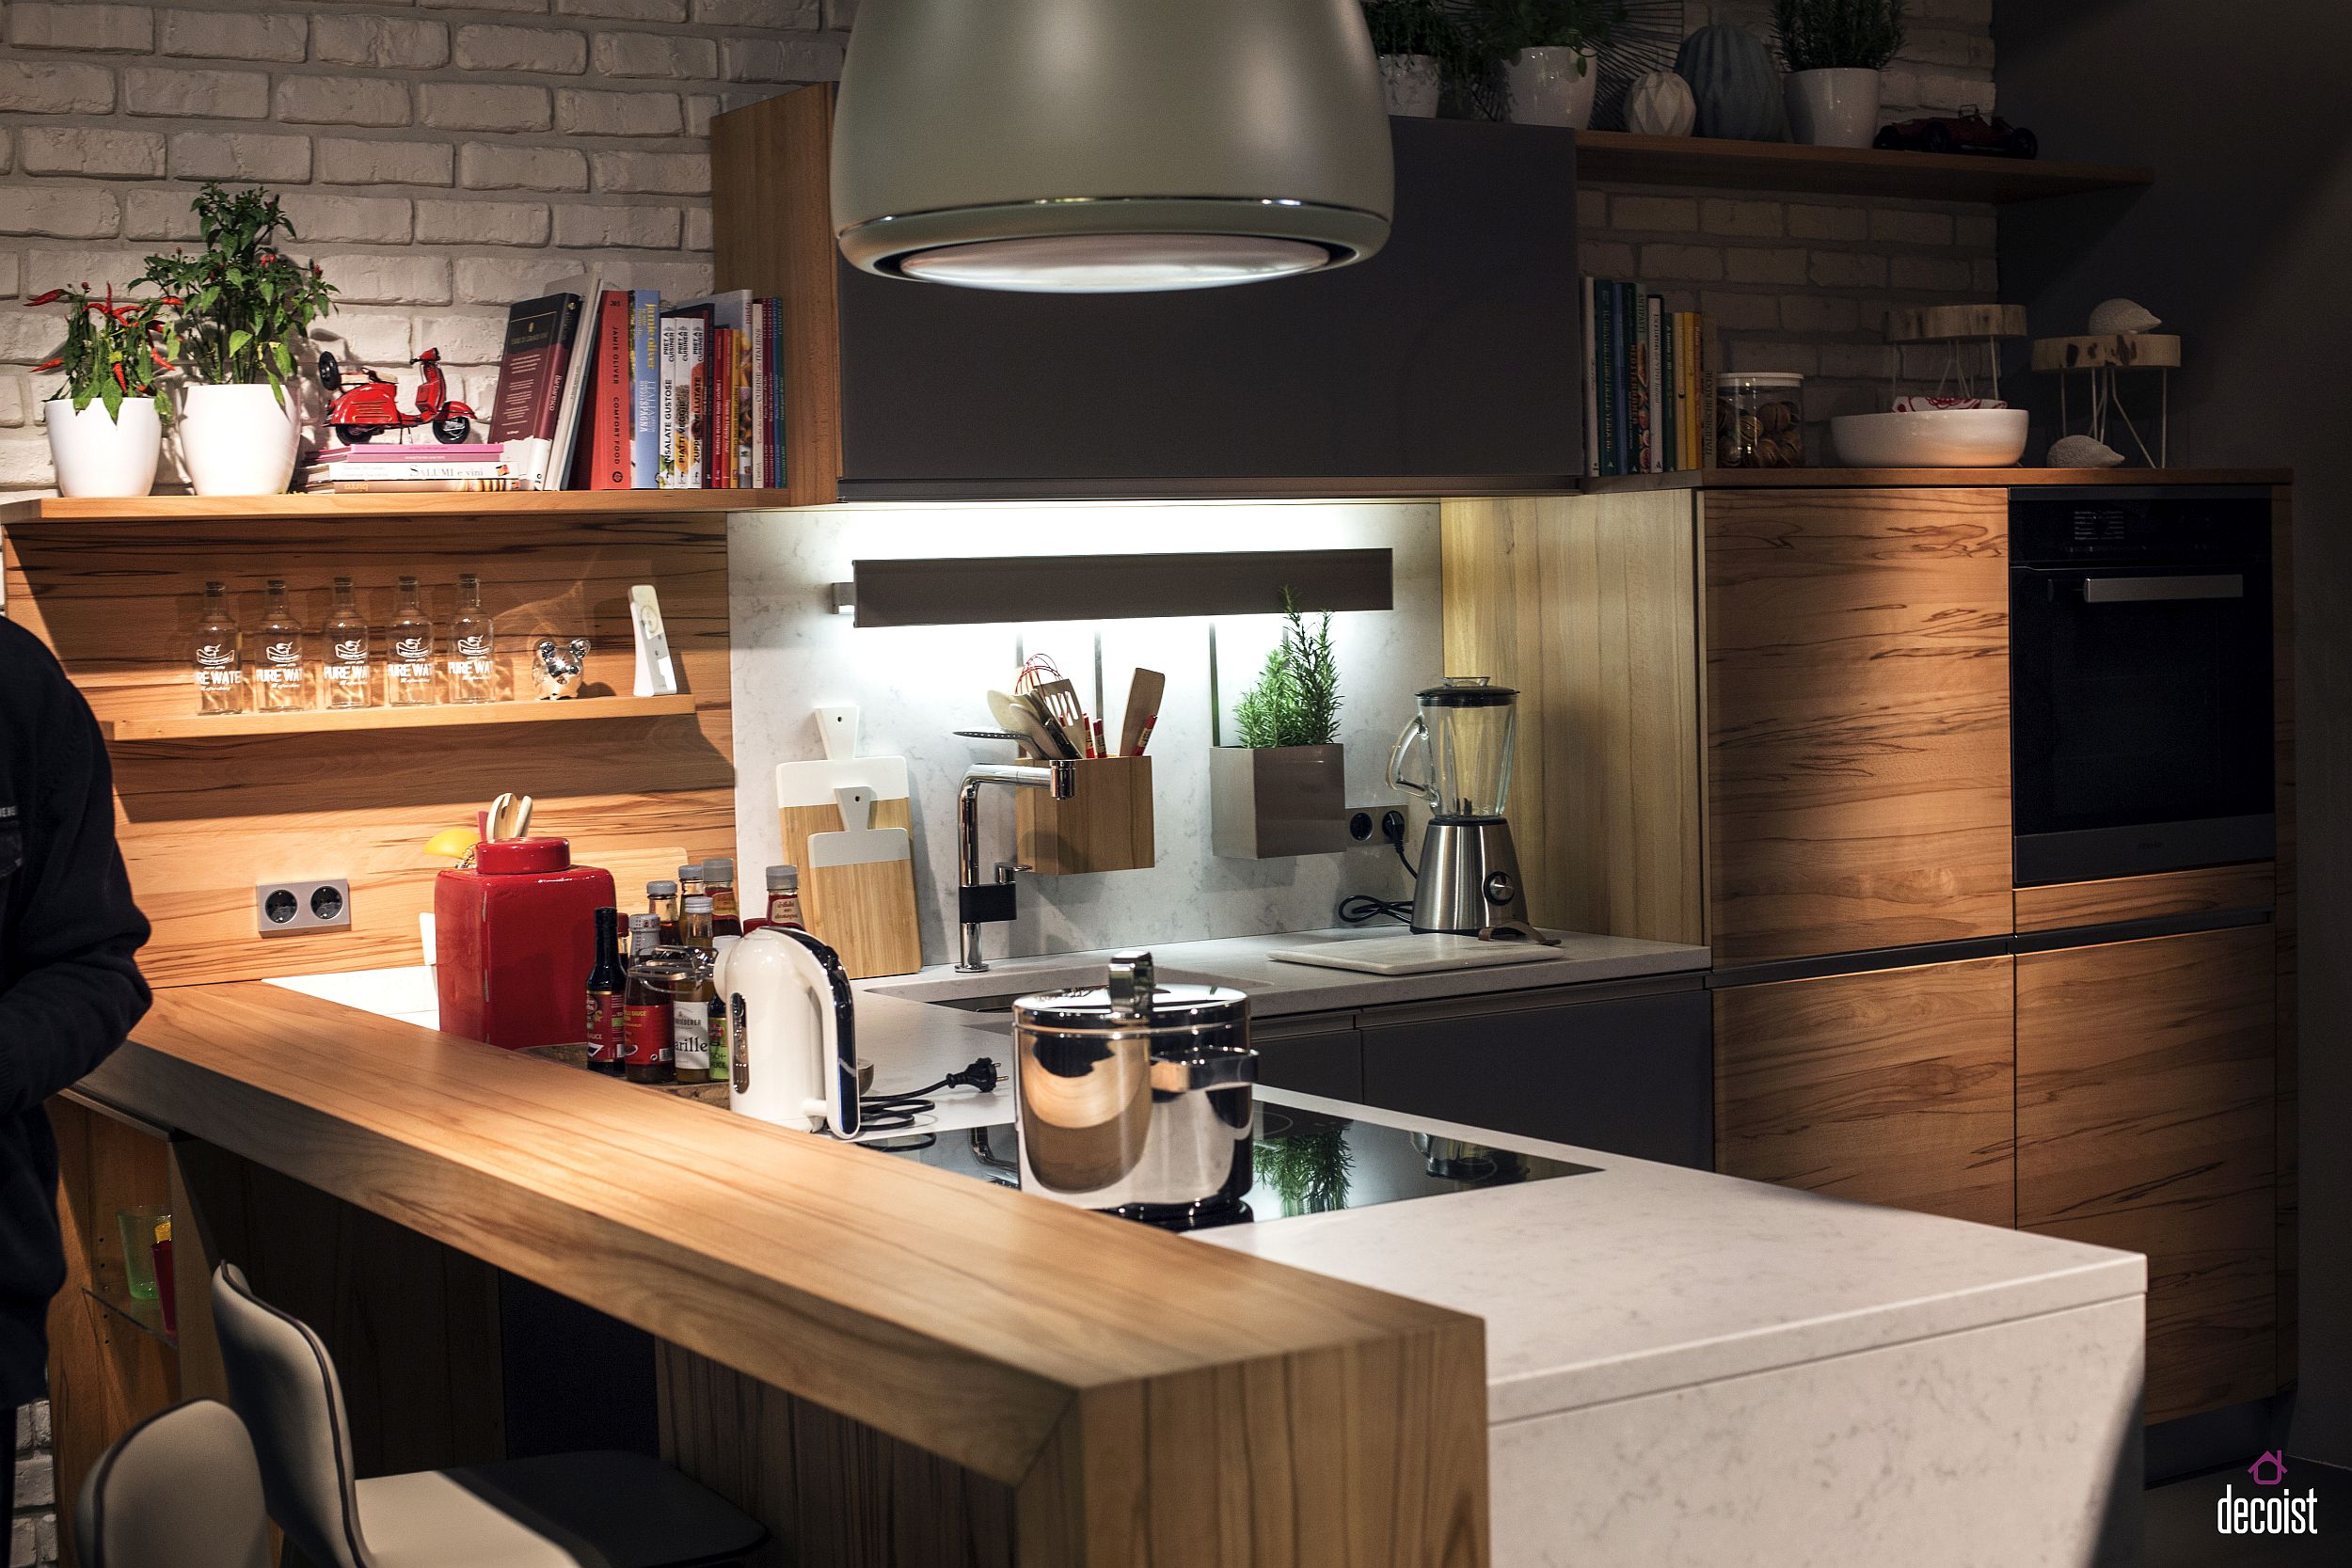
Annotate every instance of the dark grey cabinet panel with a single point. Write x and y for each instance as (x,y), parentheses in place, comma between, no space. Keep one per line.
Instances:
(1315,1055)
(1450,355)
(1632,1074)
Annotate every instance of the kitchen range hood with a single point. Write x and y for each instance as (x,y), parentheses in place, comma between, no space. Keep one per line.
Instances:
(1078,146)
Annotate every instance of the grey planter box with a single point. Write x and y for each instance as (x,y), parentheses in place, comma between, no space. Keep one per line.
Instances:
(1280,801)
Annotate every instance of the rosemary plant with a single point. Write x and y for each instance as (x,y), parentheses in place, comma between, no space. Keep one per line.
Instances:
(1296,699)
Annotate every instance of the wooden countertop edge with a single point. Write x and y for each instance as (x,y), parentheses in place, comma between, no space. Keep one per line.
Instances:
(959,1316)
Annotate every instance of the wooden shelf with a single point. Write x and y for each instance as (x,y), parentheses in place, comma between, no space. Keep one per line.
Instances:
(477,503)
(1932,479)
(443,716)
(1624,158)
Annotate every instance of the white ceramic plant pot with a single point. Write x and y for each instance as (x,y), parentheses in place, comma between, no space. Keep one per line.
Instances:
(95,455)
(1551,86)
(238,441)
(1833,108)
(1409,85)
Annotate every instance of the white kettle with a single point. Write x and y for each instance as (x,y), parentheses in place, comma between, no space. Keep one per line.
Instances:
(792,1020)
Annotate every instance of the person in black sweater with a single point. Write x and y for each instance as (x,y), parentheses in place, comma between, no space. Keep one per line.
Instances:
(69,986)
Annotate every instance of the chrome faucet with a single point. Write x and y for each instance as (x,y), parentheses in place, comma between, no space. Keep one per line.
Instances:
(979,903)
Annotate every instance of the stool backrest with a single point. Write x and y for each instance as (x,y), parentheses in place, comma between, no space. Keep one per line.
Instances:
(282,1383)
(181,1490)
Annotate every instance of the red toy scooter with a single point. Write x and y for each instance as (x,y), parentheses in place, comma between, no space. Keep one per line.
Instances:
(358,412)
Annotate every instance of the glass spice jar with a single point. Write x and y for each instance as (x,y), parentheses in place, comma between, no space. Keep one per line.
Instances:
(1759,420)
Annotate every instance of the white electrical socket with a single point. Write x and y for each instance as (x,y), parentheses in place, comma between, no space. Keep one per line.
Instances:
(280,908)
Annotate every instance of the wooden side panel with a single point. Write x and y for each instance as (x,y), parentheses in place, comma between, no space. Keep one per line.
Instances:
(2145,1081)
(2286,921)
(2208,889)
(1586,605)
(107,1369)
(1233,1467)
(771,229)
(831,1490)
(202,821)
(1857,719)
(1893,1086)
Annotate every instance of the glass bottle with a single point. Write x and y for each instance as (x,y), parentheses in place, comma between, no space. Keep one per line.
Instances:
(648,1009)
(218,663)
(693,924)
(662,903)
(689,882)
(606,983)
(350,668)
(726,914)
(784,897)
(408,675)
(472,654)
(645,935)
(693,1005)
(282,666)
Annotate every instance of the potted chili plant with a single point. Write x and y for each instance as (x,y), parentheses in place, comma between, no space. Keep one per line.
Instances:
(245,310)
(1547,49)
(105,420)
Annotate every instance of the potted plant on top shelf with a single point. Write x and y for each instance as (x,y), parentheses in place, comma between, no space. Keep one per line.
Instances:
(244,313)
(105,420)
(1834,51)
(1418,42)
(1548,48)
(1283,790)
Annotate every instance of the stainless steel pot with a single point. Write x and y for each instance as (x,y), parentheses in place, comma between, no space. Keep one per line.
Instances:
(1135,1097)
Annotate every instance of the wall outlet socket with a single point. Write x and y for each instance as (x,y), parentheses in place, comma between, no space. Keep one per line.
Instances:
(280,908)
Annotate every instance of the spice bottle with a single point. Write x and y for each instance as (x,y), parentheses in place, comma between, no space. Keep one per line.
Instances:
(726,914)
(689,880)
(784,897)
(694,925)
(607,981)
(662,903)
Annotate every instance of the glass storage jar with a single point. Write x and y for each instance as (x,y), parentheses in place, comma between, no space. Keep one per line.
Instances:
(1759,420)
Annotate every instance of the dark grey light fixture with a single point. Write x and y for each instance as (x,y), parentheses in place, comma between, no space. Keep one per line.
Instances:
(1109,146)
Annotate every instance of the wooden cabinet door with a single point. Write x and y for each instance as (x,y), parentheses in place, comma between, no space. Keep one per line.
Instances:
(2145,1078)
(1857,719)
(1890,1087)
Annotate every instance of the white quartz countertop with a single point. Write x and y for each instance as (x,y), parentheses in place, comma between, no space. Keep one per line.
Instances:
(1632,1279)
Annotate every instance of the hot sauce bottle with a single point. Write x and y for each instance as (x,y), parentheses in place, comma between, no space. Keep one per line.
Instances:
(607,981)
(726,914)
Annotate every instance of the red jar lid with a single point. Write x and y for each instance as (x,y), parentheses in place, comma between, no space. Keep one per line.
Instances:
(508,857)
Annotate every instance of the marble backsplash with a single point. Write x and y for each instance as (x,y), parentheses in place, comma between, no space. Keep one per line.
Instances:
(916,686)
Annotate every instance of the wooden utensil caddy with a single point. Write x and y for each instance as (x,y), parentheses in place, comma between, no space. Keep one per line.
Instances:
(1105,824)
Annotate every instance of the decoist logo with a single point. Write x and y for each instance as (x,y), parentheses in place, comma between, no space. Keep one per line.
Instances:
(2279,1514)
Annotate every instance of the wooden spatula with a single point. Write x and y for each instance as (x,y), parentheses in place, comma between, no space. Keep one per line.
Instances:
(1143,706)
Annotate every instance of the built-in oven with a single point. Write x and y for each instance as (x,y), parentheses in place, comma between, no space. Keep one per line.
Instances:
(2140,680)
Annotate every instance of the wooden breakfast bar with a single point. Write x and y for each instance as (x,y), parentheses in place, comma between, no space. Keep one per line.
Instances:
(881,1361)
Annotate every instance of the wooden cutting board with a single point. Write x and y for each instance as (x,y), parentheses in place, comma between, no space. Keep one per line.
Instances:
(857,890)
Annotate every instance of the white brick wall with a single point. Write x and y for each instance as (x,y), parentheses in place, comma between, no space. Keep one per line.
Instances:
(445,157)
(441,158)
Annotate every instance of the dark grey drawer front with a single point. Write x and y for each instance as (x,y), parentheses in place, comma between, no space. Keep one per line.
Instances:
(1327,1062)
(1632,1076)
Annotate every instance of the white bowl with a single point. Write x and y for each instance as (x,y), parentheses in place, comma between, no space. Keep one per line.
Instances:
(1931,438)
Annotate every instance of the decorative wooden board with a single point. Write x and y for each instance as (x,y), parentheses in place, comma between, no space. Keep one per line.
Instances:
(2208,889)
(2145,1077)
(1857,714)
(203,819)
(2127,351)
(1913,324)
(1890,1087)
(1146,1397)
(1587,606)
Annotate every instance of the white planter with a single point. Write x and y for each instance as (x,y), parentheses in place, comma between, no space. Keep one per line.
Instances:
(238,441)
(95,455)
(1833,108)
(1551,86)
(1409,85)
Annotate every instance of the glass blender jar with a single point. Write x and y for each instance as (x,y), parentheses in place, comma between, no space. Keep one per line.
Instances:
(1467,882)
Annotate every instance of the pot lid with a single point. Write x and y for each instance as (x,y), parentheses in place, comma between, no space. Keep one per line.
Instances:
(1131,1000)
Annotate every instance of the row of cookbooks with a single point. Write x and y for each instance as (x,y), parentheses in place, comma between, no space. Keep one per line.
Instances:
(1649,375)
(608,389)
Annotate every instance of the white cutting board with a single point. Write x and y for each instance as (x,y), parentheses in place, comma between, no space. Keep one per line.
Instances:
(814,784)
(1415,955)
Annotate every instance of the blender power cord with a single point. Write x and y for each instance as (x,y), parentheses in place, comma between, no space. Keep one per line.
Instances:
(892,1112)
(1361,909)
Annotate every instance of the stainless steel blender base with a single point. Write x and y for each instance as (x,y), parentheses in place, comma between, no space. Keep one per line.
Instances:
(1470,878)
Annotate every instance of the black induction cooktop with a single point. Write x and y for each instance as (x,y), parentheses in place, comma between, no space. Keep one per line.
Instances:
(1307,1162)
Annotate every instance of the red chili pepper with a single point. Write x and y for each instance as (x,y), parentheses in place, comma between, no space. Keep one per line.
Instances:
(119,379)
(156,354)
(50,364)
(44,299)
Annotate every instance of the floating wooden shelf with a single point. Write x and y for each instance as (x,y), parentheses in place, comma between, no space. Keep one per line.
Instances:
(474,503)
(443,716)
(1622,157)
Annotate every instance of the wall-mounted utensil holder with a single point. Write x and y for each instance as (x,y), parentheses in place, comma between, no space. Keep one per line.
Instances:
(1105,824)
(1275,800)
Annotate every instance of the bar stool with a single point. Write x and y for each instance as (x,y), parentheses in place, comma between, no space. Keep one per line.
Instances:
(601,1510)
(179,1490)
